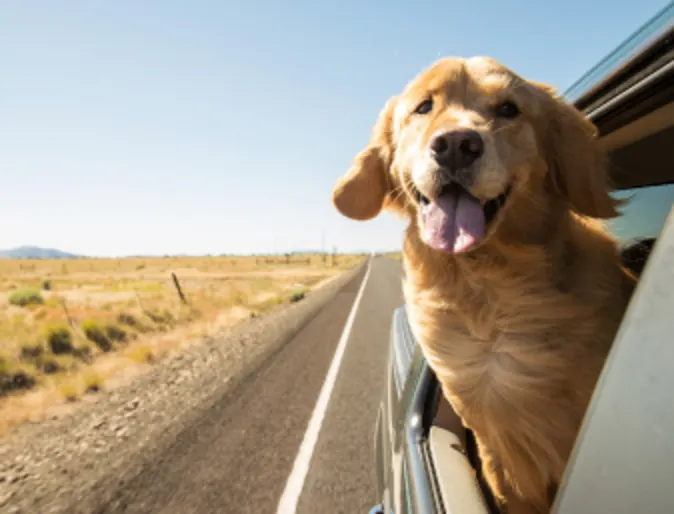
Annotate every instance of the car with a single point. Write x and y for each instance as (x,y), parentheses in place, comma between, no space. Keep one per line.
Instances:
(623,460)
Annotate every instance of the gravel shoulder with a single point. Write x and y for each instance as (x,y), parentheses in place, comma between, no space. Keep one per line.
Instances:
(52,466)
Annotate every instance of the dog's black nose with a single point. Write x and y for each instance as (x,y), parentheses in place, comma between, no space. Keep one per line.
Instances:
(457,149)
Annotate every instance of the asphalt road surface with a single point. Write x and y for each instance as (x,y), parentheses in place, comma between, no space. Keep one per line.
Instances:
(239,456)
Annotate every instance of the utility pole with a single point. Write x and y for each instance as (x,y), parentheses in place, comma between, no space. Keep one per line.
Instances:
(323,250)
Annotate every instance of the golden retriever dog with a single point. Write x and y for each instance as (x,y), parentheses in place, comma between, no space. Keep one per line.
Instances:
(514,290)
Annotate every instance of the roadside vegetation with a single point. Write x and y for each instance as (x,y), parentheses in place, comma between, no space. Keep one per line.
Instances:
(67,327)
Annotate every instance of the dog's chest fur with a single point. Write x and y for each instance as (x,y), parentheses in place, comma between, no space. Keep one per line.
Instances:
(482,335)
(474,333)
(517,355)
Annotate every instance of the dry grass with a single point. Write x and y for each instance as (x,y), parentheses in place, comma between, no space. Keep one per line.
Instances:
(141,353)
(69,390)
(98,317)
(92,381)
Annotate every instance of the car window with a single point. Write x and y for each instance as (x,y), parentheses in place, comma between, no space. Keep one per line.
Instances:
(623,53)
(622,460)
(645,213)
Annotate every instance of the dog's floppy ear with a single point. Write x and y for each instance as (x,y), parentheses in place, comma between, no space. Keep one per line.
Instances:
(362,192)
(578,165)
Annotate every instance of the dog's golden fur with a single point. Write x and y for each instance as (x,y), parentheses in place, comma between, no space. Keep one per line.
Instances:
(516,329)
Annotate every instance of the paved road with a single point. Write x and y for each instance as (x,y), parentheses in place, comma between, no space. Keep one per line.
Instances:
(238,457)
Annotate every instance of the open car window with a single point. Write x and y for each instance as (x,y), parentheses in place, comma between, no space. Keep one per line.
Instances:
(644,214)
(623,461)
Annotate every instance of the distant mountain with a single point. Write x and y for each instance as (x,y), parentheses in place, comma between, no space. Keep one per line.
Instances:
(35,252)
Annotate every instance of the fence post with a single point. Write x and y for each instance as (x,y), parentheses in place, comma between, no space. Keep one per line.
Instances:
(180,291)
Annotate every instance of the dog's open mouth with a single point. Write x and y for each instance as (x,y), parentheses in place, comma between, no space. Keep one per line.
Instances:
(456,221)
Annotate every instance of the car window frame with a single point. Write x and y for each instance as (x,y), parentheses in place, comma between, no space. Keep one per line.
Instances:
(589,484)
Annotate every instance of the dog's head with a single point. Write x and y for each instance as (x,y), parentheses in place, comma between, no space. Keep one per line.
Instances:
(470,150)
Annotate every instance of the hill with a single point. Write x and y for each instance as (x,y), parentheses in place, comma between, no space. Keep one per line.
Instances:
(35,252)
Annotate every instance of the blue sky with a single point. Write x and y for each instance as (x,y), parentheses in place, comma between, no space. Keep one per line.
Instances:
(196,127)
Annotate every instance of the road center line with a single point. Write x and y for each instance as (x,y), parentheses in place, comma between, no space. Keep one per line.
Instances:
(293,489)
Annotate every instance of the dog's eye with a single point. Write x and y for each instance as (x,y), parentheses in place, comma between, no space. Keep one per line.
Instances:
(424,107)
(507,110)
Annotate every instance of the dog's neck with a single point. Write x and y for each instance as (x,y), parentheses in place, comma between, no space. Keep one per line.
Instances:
(513,250)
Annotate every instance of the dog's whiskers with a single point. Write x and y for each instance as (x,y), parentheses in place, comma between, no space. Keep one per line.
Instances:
(397,193)
(529,196)
(501,129)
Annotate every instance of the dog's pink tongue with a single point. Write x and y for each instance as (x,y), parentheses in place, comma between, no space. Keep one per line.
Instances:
(453,222)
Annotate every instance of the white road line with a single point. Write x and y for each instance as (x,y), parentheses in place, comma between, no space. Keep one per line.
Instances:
(291,494)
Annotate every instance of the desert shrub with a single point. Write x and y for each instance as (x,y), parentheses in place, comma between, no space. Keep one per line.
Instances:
(160,317)
(60,339)
(130,320)
(82,353)
(23,380)
(168,316)
(31,351)
(15,381)
(95,333)
(115,333)
(26,297)
(133,322)
(155,316)
(50,366)
(141,353)
(93,382)
(69,390)
(297,295)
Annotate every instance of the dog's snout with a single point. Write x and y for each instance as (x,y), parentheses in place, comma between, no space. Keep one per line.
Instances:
(457,149)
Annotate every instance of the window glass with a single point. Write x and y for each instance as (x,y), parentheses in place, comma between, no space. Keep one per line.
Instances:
(625,51)
(645,214)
